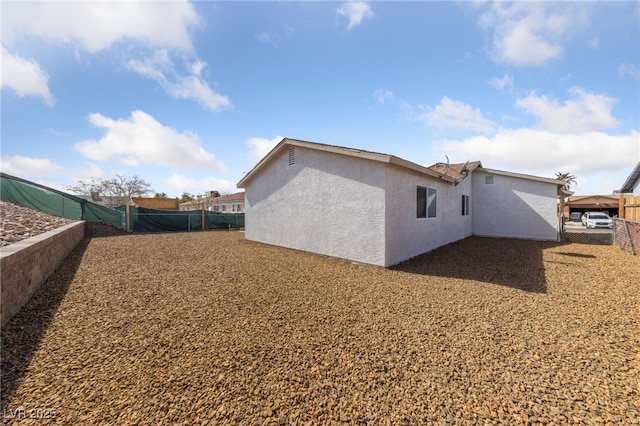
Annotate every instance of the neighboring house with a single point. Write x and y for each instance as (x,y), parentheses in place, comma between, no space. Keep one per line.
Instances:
(156,203)
(231,203)
(107,200)
(629,205)
(380,209)
(630,185)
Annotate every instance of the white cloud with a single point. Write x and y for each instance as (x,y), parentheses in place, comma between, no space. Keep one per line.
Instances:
(182,183)
(142,139)
(383,95)
(97,25)
(162,70)
(585,112)
(355,12)
(275,36)
(87,172)
(506,82)
(266,38)
(545,153)
(259,147)
(29,167)
(630,70)
(454,114)
(532,33)
(25,77)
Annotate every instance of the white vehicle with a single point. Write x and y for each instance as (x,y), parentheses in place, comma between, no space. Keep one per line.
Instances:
(597,220)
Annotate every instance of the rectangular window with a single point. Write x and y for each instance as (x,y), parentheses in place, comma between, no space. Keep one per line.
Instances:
(421,202)
(239,209)
(425,202)
(465,205)
(488,180)
(431,202)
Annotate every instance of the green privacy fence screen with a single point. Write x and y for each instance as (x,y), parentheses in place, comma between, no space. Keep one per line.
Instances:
(136,219)
(57,203)
(142,219)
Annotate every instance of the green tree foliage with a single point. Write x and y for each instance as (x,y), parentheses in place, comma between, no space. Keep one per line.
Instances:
(568,178)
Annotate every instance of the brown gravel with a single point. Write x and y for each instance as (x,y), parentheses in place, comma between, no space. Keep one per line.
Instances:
(18,223)
(208,328)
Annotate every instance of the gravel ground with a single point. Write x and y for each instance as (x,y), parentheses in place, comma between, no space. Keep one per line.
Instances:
(19,223)
(208,328)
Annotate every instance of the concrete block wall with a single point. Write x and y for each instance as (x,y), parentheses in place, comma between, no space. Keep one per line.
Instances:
(101,229)
(27,264)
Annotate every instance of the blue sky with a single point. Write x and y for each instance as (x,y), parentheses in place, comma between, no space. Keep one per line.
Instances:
(190,95)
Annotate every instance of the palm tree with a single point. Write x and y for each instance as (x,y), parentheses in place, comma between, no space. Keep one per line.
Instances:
(568,178)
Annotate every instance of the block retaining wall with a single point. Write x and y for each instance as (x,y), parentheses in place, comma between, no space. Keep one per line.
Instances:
(26,264)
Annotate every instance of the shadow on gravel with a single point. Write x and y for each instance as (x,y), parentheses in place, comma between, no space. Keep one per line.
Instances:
(508,262)
(588,256)
(21,336)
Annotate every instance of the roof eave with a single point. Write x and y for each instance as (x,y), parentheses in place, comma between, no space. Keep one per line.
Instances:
(632,181)
(558,182)
(374,156)
(418,168)
(243,182)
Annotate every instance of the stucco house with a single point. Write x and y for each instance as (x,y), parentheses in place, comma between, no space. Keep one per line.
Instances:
(381,209)
(228,203)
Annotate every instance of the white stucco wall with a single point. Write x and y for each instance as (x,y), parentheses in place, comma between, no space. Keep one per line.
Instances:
(514,207)
(324,203)
(408,236)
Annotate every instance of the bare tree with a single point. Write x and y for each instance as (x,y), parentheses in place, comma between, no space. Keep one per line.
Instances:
(88,189)
(115,191)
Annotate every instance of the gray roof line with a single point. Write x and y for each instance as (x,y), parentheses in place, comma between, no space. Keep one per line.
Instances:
(632,181)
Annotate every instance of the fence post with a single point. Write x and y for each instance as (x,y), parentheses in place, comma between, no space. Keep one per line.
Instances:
(203,216)
(626,227)
(127,215)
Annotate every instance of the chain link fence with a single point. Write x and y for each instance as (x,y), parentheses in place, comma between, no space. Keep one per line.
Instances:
(605,237)
(627,235)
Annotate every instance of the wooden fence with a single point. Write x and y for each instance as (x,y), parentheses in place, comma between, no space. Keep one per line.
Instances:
(629,207)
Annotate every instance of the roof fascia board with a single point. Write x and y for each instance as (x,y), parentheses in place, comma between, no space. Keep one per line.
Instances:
(341,150)
(632,181)
(523,176)
(368,155)
(418,168)
(243,182)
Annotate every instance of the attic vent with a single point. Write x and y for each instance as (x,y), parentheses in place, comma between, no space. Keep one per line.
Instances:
(292,155)
(488,180)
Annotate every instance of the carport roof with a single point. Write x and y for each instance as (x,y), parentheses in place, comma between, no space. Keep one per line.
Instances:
(593,202)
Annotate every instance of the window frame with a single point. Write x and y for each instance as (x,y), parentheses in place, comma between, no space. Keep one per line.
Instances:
(432,202)
(466,205)
(426,202)
(421,202)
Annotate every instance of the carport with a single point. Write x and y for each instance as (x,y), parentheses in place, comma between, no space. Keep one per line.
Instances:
(590,203)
